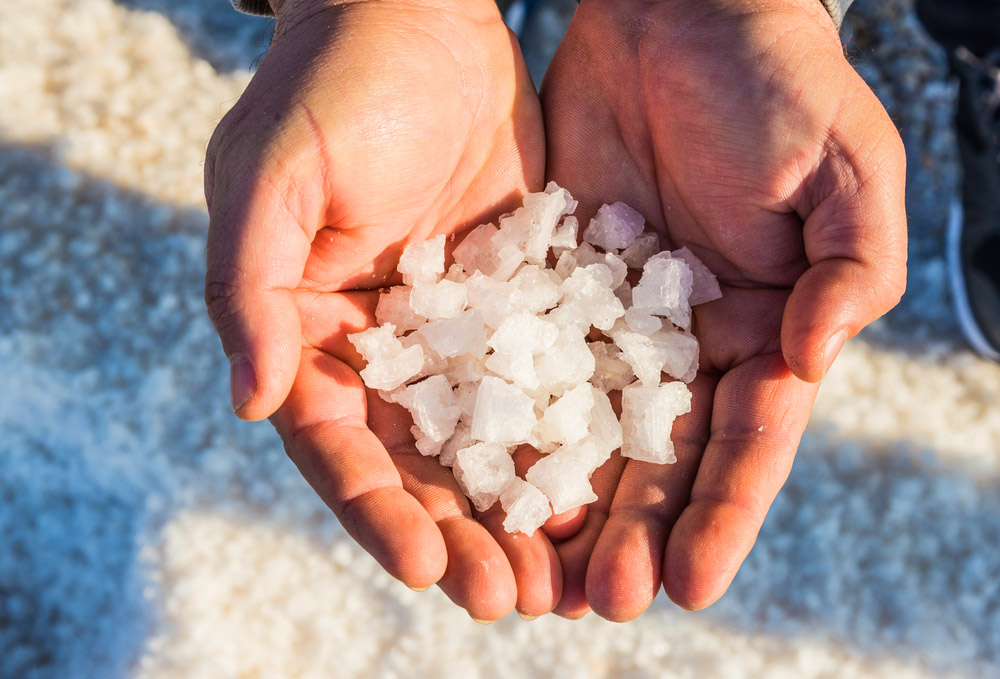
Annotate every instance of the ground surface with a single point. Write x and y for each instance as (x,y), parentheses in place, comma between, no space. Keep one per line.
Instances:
(145,532)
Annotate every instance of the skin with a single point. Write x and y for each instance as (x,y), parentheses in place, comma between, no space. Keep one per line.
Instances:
(739,130)
(735,127)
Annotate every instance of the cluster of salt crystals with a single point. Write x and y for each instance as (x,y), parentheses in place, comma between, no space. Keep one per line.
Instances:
(497,351)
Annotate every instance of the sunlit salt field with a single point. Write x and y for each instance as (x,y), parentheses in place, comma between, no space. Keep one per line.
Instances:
(146,532)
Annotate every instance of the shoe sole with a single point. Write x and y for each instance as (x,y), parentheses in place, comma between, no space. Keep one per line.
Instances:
(960,296)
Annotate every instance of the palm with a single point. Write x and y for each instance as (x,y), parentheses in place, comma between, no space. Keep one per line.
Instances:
(709,121)
(384,126)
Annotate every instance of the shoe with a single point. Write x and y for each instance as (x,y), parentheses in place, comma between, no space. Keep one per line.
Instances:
(973,244)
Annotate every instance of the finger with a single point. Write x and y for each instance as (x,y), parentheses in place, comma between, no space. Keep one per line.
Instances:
(323,425)
(855,241)
(560,526)
(260,232)
(759,412)
(625,570)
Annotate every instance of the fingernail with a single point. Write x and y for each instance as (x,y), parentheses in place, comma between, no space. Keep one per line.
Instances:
(242,381)
(833,347)
(529,618)
(482,622)
(418,589)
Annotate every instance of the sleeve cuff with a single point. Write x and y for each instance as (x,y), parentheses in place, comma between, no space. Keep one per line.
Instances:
(258,7)
(837,9)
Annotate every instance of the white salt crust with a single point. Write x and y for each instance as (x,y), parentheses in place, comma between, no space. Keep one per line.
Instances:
(499,350)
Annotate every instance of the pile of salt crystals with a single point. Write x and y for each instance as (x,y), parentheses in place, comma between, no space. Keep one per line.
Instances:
(496,351)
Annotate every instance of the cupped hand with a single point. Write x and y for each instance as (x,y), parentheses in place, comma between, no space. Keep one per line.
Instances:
(739,130)
(367,126)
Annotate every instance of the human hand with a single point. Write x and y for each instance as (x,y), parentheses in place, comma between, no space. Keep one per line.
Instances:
(739,130)
(367,126)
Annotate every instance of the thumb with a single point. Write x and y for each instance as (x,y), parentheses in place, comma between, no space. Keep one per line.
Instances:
(260,233)
(855,241)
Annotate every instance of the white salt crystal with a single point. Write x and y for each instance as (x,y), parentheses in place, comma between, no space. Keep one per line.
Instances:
(376,342)
(566,363)
(614,227)
(545,210)
(670,351)
(394,307)
(464,368)
(518,368)
(536,289)
(463,334)
(641,321)
(527,507)
(425,445)
(565,236)
(566,264)
(491,298)
(465,396)
(605,429)
(588,299)
(571,204)
(483,470)
(610,371)
(503,257)
(567,420)
(422,261)
(462,438)
(664,289)
(441,299)
(681,353)
(524,332)
(433,406)
(456,273)
(434,363)
(389,363)
(470,252)
(644,247)
(503,414)
(705,286)
(648,414)
(563,478)
(585,255)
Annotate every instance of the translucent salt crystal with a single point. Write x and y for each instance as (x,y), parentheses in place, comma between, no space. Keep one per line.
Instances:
(441,299)
(503,257)
(456,273)
(536,291)
(670,351)
(681,353)
(648,414)
(614,227)
(664,289)
(546,209)
(433,406)
(567,420)
(434,363)
(474,248)
(464,368)
(605,429)
(565,236)
(491,298)
(389,363)
(563,477)
(422,261)
(465,396)
(566,264)
(425,445)
(638,253)
(524,332)
(571,204)
(585,255)
(394,307)
(483,470)
(588,299)
(624,294)
(610,371)
(463,334)
(565,364)
(705,286)
(641,321)
(503,414)
(527,507)
(518,368)
(462,438)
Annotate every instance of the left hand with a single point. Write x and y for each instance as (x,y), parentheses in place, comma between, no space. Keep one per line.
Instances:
(739,130)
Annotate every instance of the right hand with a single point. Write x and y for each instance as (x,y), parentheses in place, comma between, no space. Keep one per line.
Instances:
(367,126)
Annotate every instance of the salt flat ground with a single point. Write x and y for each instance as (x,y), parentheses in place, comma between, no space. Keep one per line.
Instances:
(145,532)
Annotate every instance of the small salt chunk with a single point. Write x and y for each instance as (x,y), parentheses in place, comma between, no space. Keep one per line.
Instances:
(563,477)
(503,413)
(491,298)
(638,253)
(463,334)
(389,363)
(464,368)
(474,248)
(536,292)
(641,321)
(670,351)
(518,368)
(681,353)
(462,438)
(585,255)
(565,364)
(483,470)
(433,406)
(664,289)
(456,273)
(503,257)
(571,204)
(422,261)
(648,414)
(610,371)
(425,445)
(394,307)
(527,507)
(566,235)
(545,210)
(465,396)
(523,332)
(588,300)
(605,429)
(566,264)
(434,363)
(441,299)
(705,286)
(614,227)
(568,419)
